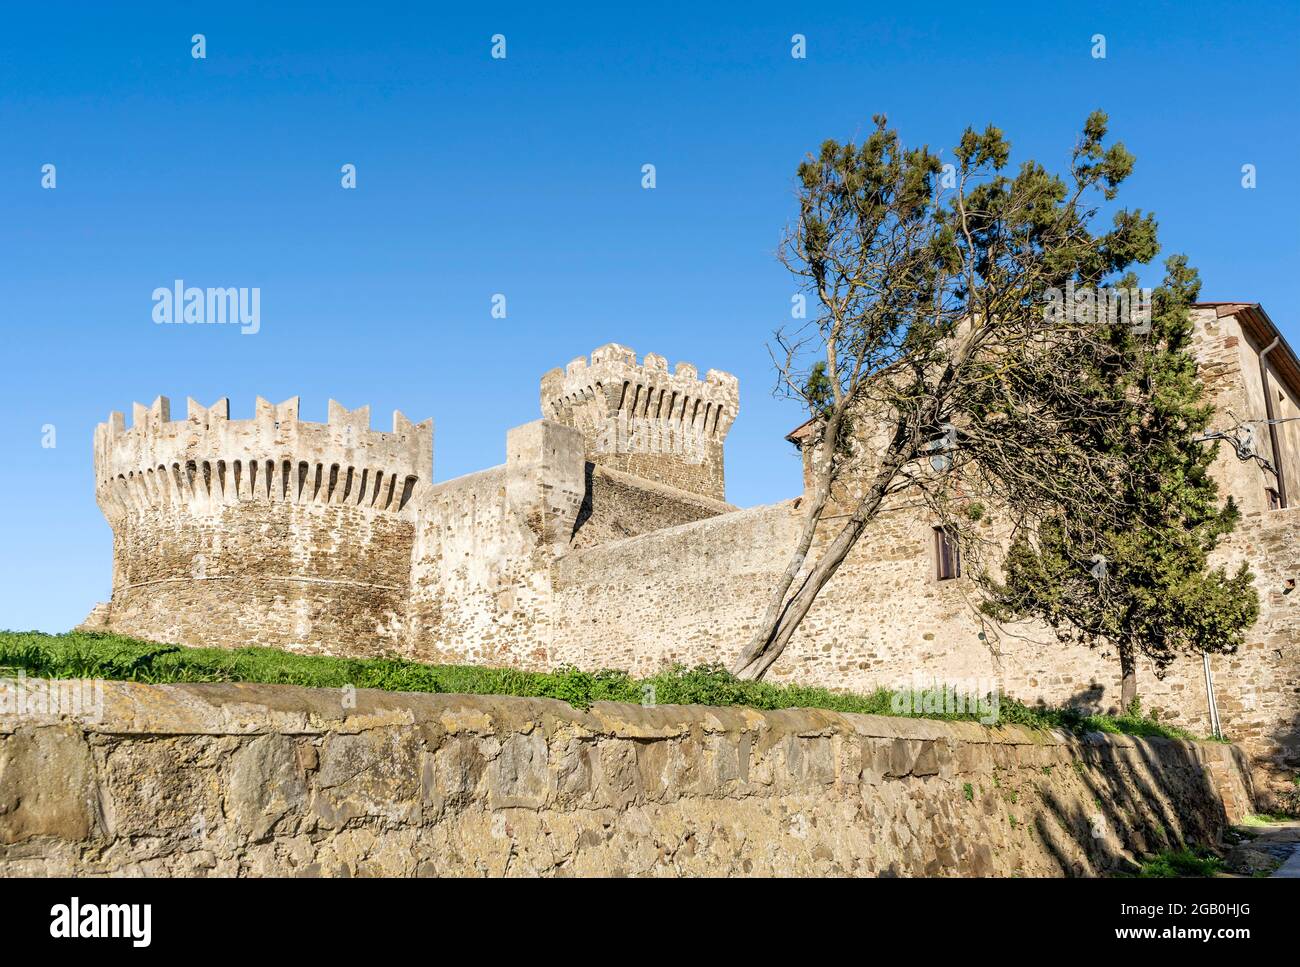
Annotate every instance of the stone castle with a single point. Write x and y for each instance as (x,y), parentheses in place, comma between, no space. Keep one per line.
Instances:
(604,541)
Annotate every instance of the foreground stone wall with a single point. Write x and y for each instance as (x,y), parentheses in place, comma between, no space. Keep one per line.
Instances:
(245,780)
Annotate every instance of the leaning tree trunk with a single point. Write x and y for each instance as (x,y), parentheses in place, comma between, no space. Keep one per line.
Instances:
(785,615)
(777,601)
(1128,690)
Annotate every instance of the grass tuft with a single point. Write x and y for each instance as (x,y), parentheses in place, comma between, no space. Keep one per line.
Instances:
(1181,862)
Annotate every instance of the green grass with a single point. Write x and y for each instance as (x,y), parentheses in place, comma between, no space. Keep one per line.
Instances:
(1072,720)
(1268,819)
(1181,862)
(95,655)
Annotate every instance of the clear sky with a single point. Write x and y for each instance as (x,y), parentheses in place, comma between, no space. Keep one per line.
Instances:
(522,176)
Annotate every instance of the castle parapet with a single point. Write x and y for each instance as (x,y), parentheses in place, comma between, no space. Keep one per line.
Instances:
(643,419)
(208,459)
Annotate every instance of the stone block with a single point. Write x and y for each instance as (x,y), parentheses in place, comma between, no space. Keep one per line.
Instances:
(372,774)
(519,775)
(265,784)
(47,785)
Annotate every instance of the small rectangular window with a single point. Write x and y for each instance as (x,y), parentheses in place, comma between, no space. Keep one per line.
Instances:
(947,555)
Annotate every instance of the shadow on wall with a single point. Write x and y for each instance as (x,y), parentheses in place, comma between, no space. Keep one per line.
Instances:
(1129,817)
(584,509)
(1089,700)
(1283,765)
(1274,758)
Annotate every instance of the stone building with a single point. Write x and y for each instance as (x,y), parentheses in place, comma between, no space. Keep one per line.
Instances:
(604,540)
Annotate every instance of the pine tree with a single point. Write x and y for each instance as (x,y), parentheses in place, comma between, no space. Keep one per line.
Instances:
(1141,584)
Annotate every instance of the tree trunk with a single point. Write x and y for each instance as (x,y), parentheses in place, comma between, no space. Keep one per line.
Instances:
(784,616)
(799,604)
(776,601)
(1128,690)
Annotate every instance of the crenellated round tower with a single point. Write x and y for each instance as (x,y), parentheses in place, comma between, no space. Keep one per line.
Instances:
(642,419)
(269,531)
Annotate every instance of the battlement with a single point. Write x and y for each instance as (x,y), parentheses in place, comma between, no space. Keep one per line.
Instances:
(641,418)
(208,459)
(611,382)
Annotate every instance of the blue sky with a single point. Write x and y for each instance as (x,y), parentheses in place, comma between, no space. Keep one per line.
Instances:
(523,176)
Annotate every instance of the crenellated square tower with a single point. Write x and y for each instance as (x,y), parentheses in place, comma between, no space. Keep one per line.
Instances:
(664,426)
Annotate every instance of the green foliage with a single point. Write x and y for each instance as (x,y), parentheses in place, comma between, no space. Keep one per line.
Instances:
(114,657)
(95,655)
(818,389)
(1081,426)
(1075,428)
(1268,819)
(968,791)
(1181,863)
(1140,580)
(1073,720)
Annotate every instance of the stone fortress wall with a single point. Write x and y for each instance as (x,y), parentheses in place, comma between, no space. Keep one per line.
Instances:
(602,542)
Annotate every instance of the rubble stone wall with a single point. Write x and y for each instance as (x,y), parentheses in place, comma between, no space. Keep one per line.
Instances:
(254,780)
